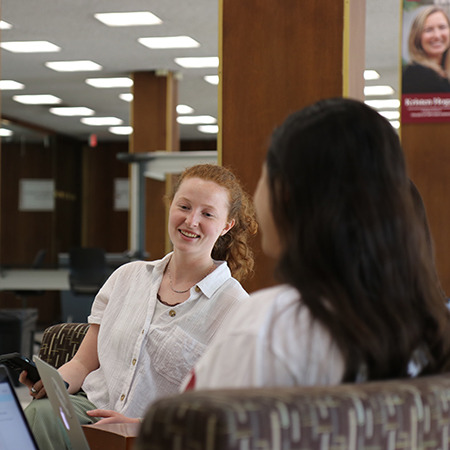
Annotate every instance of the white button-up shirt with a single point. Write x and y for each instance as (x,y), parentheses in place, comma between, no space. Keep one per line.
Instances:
(145,348)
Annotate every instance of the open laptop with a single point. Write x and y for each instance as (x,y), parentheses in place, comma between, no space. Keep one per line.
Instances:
(15,432)
(62,406)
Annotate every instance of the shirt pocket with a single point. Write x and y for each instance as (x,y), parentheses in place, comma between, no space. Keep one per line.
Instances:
(174,352)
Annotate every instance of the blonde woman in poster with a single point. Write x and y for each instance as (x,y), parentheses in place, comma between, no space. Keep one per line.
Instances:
(428,70)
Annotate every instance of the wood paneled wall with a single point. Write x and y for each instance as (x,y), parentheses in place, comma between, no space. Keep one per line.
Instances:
(427,149)
(277,57)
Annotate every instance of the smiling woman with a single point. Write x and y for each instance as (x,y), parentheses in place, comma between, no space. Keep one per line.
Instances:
(152,320)
(428,44)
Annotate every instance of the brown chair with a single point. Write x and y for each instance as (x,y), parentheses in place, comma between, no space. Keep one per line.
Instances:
(398,414)
(59,344)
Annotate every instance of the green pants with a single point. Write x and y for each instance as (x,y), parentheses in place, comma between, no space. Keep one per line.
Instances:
(48,429)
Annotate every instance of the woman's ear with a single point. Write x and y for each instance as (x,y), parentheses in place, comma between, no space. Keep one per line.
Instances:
(228,227)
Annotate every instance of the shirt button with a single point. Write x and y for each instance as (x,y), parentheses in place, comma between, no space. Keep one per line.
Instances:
(172,313)
(134,362)
(197,289)
(122,397)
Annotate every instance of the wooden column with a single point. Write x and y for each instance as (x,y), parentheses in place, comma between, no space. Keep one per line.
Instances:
(427,149)
(277,57)
(153,117)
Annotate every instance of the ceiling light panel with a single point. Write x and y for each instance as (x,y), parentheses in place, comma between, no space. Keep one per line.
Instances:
(72,111)
(208,129)
(383,104)
(105,83)
(128,19)
(30,47)
(10,85)
(169,42)
(371,75)
(212,79)
(196,120)
(4,132)
(127,97)
(73,66)
(5,25)
(378,90)
(184,109)
(101,121)
(38,99)
(121,131)
(198,62)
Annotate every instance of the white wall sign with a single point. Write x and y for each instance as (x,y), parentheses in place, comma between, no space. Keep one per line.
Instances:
(121,194)
(36,195)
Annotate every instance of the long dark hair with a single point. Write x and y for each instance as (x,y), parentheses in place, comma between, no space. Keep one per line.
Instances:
(353,244)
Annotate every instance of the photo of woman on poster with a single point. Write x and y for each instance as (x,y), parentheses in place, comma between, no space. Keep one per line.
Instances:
(428,69)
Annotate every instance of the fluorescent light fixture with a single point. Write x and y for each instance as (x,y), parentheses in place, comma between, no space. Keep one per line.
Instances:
(371,75)
(383,104)
(378,90)
(208,129)
(184,109)
(196,120)
(198,62)
(30,47)
(390,115)
(395,124)
(101,121)
(39,99)
(4,132)
(5,25)
(128,19)
(10,85)
(212,79)
(73,66)
(127,97)
(72,111)
(121,131)
(110,82)
(169,42)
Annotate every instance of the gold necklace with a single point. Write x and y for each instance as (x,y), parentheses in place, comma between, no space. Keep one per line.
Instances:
(188,289)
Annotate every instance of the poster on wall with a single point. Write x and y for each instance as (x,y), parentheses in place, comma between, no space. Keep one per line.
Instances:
(36,195)
(425,61)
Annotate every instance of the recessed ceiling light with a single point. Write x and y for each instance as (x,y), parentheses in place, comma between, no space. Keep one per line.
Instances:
(73,66)
(72,111)
(378,90)
(39,99)
(371,75)
(208,129)
(196,120)
(122,131)
(4,132)
(383,104)
(127,97)
(30,47)
(169,42)
(10,85)
(127,19)
(198,62)
(5,25)
(390,115)
(101,121)
(184,109)
(212,79)
(395,124)
(110,82)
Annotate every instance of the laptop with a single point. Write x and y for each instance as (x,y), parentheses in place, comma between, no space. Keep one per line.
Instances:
(62,406)
(15,432)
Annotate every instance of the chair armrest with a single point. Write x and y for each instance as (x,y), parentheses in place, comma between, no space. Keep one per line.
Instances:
(60,342)
(113,436)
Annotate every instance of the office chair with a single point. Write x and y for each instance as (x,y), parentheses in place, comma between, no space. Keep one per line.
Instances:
(37,263)
(87,270)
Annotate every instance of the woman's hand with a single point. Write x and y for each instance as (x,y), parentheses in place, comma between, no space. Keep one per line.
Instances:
(37,389)
(110,416)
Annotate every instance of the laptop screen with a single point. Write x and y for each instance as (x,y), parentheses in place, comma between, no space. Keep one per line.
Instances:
(14,430)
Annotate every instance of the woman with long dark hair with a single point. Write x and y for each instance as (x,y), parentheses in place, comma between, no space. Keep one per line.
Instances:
(359,298)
